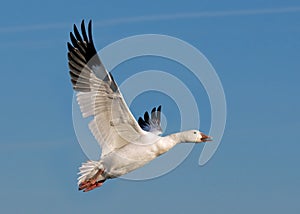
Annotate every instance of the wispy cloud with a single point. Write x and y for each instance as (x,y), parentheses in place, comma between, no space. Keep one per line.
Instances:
(149,18)
(197,15)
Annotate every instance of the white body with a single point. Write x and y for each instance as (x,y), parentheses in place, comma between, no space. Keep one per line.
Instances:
(126,144)
(135,155)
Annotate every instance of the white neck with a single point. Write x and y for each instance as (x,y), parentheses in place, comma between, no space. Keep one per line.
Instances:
(176,138)
(168,142)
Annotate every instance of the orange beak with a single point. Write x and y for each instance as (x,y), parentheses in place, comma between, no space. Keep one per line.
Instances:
(205,138)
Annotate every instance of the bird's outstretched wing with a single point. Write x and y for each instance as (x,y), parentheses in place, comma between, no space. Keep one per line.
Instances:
(151,124)
(98,95)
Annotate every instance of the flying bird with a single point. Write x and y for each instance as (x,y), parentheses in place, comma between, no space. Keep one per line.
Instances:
(126,144)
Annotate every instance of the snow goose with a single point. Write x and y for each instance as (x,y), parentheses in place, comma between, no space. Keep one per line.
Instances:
(126,144)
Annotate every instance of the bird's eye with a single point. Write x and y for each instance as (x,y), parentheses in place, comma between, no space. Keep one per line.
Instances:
(195,132)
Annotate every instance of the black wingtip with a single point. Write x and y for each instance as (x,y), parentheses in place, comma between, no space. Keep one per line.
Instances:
(77,34)
(90,30)
(152,124)
(75,30)
(159,114)
(83,31)
(140,121)
(159,108)
(73,39)
(153,110)
(82,22)
(146,117)
(70,47)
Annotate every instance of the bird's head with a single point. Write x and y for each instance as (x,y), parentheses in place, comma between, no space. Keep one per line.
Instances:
(196,136)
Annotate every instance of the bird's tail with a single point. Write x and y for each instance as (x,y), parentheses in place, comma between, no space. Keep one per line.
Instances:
(91,175)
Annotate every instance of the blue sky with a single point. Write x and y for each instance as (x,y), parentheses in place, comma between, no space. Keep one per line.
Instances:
(254,47)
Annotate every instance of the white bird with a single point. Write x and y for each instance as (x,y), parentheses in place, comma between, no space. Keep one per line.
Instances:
(126,144)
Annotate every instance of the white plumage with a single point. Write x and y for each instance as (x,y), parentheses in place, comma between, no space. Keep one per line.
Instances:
(126,144)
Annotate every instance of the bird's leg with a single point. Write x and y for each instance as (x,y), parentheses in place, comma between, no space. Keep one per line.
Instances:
(93,186)
(92,182)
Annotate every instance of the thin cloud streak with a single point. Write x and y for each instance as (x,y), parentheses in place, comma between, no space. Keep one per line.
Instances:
(166,17)
(197,15)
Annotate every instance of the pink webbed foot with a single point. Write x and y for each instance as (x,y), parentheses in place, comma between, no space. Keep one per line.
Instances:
(91,183)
